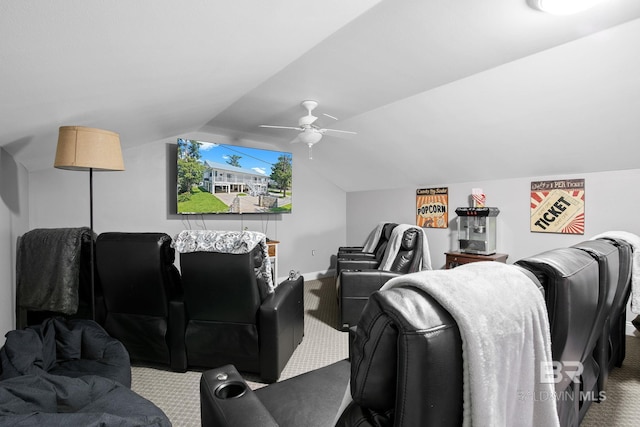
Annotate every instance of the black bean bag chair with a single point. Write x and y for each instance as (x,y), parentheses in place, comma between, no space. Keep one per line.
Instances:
(70,373)
(89,401)
(71,348)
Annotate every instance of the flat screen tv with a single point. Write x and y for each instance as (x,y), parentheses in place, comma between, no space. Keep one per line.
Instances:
(217,178)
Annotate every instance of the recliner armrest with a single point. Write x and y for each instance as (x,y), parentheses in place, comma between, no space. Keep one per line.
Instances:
(281,323)
(362,263)
(227,400)
(178,325)
(350,249)
(363,282)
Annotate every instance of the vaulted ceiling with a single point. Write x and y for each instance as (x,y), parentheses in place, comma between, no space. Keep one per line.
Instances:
(437,91)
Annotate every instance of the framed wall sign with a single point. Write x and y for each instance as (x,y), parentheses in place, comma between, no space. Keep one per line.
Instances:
(432,207)
(557,206)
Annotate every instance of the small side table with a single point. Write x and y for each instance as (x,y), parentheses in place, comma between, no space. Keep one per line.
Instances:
(455,259)
(272,246)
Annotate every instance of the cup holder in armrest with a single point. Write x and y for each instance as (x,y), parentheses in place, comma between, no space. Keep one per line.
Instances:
(230,390)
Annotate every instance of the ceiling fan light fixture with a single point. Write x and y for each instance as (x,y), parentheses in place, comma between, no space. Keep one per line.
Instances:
(563,7)
(310,136)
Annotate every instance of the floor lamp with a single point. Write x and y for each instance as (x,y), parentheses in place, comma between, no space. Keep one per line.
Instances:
(89,149)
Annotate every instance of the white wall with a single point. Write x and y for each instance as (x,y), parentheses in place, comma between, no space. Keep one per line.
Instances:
(13,222)
(610,204)
(142,199)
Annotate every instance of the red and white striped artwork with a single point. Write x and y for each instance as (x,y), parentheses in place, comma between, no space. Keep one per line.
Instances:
(557,206)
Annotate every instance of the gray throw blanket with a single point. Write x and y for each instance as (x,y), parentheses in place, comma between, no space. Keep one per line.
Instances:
(506,344)
(48,269)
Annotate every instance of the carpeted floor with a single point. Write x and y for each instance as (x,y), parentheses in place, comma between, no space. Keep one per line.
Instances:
(177,394)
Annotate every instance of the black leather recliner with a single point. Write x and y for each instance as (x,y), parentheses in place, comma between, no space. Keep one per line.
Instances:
(608,259)
(402,365)
(365,260)
(406,370)
(570,278)
(229,322)
(618,313)
(382,238)
(354,286)
(143,296)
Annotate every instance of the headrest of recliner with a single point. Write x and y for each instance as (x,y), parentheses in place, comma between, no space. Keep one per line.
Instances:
(400,332)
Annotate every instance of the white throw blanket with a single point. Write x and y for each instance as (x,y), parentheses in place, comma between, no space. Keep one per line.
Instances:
(374,237)
(395,241)
(634,241)
(506,341)
(230,242)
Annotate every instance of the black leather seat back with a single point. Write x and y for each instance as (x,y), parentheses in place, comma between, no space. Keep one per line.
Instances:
(596,368)
(220,287)
(381,247)
(136,272)
(410,253)
(623,288)
(406,364)
(571,295)
(618,312)
(222,299)
(570,278)
(138,281)
(609,269)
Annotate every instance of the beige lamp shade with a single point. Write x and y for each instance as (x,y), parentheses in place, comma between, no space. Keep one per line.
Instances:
(82,148)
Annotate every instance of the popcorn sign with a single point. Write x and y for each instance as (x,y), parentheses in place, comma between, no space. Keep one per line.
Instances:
(432,207)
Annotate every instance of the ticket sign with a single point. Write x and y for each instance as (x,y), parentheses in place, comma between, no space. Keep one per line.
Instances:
(432,207)
(558,206)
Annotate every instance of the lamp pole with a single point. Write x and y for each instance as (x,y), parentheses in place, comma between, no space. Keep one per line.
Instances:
(91,248)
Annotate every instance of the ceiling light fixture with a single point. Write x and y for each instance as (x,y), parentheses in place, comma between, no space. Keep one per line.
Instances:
(310,136)
(563,7)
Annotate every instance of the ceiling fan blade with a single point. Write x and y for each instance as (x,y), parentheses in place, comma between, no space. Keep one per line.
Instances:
(336,130)
(330,116)
(281,127)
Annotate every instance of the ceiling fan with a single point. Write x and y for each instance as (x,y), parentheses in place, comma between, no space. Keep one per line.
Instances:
(309,132)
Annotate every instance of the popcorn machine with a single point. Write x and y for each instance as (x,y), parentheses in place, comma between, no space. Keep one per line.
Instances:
(477,230)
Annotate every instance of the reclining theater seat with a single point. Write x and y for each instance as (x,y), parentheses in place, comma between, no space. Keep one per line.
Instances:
(354,286)
(570,278)
(618,312)
(231,315)
(143,296)
(378,238)
(365,260)
(406,367)
(608,259)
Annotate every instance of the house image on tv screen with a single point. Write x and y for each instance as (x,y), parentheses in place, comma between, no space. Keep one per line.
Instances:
(230,179)
(217,178)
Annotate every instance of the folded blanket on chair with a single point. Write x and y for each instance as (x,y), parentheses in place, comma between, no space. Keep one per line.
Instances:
(634,241)
(506,341)
(228,242)
(48,269)
(373,238)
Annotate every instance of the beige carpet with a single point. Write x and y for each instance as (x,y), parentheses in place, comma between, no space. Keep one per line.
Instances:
(178,394)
